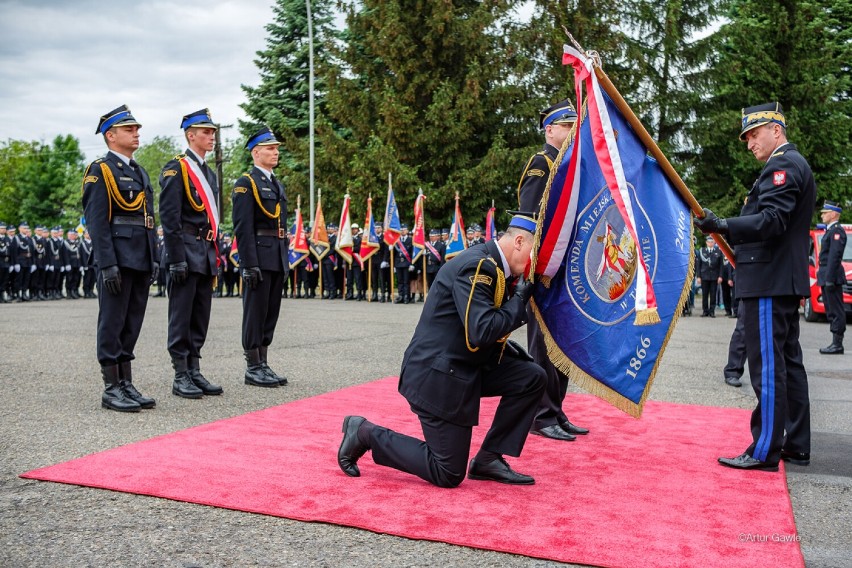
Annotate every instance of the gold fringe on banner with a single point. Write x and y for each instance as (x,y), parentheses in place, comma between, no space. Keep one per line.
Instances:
(647,317)
(593,386)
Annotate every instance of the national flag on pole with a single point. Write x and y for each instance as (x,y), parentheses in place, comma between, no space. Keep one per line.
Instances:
(418,237)
(299,244)
(614,256)
(345,241)
(235,252)
(458,239)
(319,235)
(369,240)
(393,227)
(490,225)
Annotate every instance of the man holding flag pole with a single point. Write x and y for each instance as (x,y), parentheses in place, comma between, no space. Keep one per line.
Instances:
(189,214)
(392,230)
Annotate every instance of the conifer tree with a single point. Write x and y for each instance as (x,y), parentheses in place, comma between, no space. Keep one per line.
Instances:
(793,51)
(281,100)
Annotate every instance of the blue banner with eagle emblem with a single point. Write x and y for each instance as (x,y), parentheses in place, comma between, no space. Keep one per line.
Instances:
(587,308)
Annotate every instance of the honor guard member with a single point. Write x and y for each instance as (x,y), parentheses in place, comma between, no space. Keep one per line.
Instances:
(55,264)
(380,269)
(23,251)
(434,256)
(831,275)
(709,271)
(550,421)
(119,206)
(39,267)
(159,244)
(260,215)
(89,271)
(74,263)
(771,238)
(189,215)
(6,265)
(460,352)
(402,251)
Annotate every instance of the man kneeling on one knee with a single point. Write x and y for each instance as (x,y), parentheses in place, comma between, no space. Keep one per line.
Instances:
(460,352)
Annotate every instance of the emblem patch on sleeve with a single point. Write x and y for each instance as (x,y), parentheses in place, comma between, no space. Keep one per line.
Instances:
(91,179)
(169,173)
(240,189)
(536,172)
(481,279)
(779,178)
(836,237)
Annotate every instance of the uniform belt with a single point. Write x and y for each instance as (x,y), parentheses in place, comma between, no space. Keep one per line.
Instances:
(277,233)
(200,233)
(122,220)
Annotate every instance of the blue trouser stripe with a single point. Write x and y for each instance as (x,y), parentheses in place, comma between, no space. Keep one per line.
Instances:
(767,379)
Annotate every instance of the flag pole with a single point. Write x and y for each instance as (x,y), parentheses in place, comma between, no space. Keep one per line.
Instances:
(658,155)
(390,251)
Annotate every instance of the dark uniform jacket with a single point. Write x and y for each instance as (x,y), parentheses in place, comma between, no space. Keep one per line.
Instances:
(458,337)
(831,249)
(534,179)
(86,251)
(709,263)
(401,260)
(5,253)
(122,234)
(187,233)
(261,234)
(56,253)
(433,262)
(771,233)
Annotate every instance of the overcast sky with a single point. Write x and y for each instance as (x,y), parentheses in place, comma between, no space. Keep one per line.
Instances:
(65,63)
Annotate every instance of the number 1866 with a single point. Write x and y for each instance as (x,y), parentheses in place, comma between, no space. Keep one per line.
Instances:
(641,352)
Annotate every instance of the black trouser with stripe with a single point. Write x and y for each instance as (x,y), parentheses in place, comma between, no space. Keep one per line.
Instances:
(778,377)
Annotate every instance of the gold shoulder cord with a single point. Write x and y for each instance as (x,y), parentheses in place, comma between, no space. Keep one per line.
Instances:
(467,309)
(277,214)
(192,202)
(115,195)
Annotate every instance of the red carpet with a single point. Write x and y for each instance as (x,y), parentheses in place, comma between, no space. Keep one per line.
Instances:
(632,493)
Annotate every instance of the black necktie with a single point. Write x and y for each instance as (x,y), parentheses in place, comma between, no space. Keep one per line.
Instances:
(134,165)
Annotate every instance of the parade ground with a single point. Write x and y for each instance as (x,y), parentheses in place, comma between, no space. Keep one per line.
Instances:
(50,388)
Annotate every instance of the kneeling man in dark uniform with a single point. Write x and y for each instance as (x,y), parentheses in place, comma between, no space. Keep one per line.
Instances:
(460,352)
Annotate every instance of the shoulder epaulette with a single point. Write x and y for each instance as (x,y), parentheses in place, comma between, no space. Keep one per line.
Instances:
(180,156)
(780,153)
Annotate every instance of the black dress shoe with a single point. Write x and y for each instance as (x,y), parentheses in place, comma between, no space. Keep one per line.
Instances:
(832,349)
(733,381)
(554,432)
(798,458)
(745,461)
(499,471)
(351,448)
(573,428)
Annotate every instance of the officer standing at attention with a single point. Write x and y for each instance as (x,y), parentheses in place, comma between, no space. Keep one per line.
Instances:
(89,272)
(831,275)
(260,217)
(6,264)
(709,271)
(119,206)
(402,251)
(550,421)
(771,238)
(74,259)
(460,352)
(189,215)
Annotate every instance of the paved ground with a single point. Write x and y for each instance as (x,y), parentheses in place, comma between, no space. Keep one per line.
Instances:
(50,390)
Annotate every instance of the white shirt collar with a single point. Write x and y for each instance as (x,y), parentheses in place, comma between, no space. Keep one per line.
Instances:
(265,172)
(194,153)
(505,262)
(122,157)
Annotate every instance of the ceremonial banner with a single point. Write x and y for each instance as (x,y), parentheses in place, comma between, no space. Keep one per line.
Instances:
(345,242)
(299,243)
(490,226)
(458,240)
(418,236)
(599,253)
(319,244)
(369,240)
(393,227)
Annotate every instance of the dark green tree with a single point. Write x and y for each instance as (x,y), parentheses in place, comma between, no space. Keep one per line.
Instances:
(49,182)
(425,92)
(672,46)
(14,154)
(793,51)
(281,100)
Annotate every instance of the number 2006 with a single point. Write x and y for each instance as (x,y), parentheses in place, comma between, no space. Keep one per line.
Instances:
(641,352)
